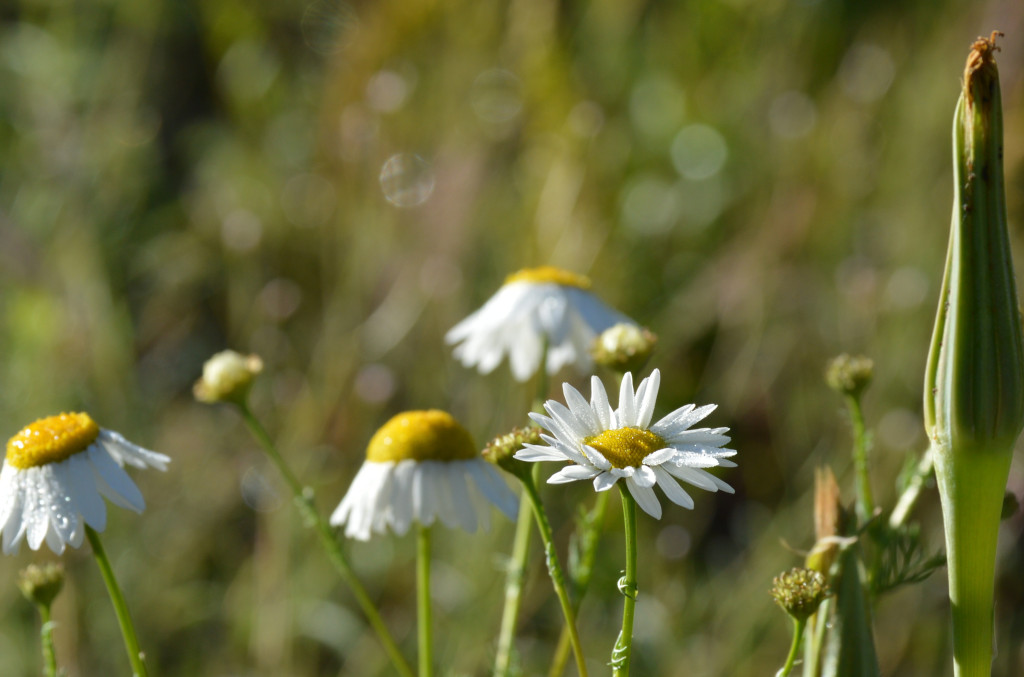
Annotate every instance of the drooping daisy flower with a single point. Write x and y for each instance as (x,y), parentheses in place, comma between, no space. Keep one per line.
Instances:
(416,469)
(54,475)
(605,445)
(533,306)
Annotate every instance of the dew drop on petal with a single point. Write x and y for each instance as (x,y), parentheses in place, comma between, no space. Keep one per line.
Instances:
(407,180)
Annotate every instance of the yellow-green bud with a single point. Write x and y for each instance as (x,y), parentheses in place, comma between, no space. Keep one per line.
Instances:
(624,347)
(227,377)
(501,450)
(849,374)
(41,584)
(800,592)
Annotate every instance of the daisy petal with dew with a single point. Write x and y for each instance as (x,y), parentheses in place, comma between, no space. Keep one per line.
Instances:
(55,474)
(605,445)
(535,306)
(422,467)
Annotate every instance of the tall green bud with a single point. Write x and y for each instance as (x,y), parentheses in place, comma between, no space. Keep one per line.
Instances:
(974,384)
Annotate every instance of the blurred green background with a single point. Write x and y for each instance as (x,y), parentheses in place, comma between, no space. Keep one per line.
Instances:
(334,184)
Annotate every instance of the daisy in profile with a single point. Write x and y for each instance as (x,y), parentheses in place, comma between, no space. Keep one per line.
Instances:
(55,474)
(54,477)
(605,445)
(535,306)
(416,470)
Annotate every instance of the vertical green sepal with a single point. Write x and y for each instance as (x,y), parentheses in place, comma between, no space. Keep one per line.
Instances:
(974,383)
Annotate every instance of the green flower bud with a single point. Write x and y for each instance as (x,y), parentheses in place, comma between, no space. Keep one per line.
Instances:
(41,584)
(849,375)
(624,347)
(501,450)
(800,592)
(227,377)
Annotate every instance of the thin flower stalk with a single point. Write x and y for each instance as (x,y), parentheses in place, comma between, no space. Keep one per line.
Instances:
(628,587)
(515,577)
(124,619)
(303,498)
(794,648)
(46,637)
(423,622)
(555,571)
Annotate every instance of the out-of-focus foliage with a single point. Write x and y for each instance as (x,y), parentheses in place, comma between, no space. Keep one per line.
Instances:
(333,184)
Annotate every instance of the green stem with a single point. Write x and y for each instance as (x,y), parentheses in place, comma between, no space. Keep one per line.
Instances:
(908,499)
(303,497)
(794,649)
(555,571)
(514,589)
(815,630)
(971,486)
(423,601)
(46,635)
(124,619)
(628,588)
(580,578)
(865,501)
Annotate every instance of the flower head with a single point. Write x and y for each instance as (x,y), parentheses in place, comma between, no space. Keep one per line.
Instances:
(800,592)
(624,347)
(534,306)
(41,584)
(416,469)
(227,377)
(54,474)
(603,445)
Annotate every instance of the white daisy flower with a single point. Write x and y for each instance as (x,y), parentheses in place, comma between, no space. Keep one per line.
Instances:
(533,306)
(54,475)
(416,470)
(604,445)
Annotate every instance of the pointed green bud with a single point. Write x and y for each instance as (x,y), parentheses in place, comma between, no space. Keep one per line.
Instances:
(974,385)
(974,380)
(41,584)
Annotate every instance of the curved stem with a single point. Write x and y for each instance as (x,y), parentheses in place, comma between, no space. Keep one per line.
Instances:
(423,601)
(46,635)
(124,619)
(303,497)
(794,649)
(514,589)
(627,586)
(580,577)
(555,571)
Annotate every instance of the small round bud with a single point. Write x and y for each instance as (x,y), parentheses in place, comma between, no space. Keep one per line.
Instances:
(800,592)
(501,450)
(849,374)
(624,347)
(41,584)
(227,377)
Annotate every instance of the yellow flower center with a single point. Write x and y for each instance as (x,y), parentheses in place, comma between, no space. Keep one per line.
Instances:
(626,447)
(51,440)
(421,436)
(549,274)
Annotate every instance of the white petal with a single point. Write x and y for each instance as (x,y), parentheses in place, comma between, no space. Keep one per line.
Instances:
(604,481)
(572,473)
(694,476)
(494,488)
(645,498)
(660,456)
(123,451)
(437,482)
(86,497)
(644,477)
(424,502)
(581,409)
(561,413)
(692,459)
(596,458)
(673,491)
(113,482)
(600,405)
(626,413)
(533,453)
(465,512)
(646,398)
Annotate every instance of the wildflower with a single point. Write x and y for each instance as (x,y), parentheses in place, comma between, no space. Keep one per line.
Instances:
(54,473)
(849,374)
(604,445)
(227,377)
(800,592)
(416,469)
(535,306)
